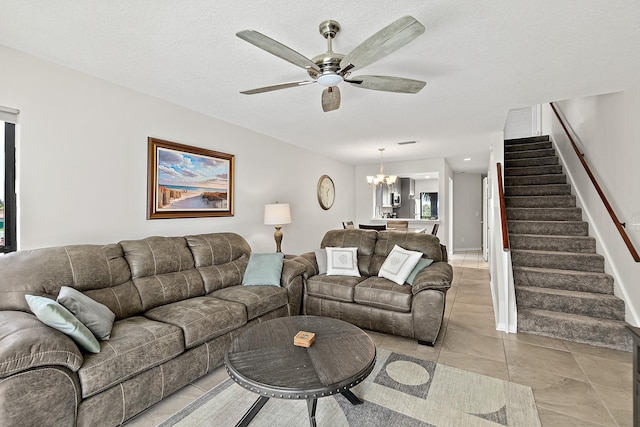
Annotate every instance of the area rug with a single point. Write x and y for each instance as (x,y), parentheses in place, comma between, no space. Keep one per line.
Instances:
(402,391)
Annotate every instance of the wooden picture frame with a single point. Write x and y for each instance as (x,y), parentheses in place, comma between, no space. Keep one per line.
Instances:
(188,182)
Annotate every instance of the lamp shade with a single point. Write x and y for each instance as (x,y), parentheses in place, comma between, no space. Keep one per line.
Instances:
(277,214)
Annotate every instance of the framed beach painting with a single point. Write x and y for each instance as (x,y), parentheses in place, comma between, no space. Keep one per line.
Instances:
(188,182)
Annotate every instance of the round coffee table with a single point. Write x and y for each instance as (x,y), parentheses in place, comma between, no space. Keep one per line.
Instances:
(264,360)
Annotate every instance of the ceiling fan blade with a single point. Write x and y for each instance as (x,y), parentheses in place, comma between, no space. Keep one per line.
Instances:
(276,87)
(277,49)
(387,83)
(330,99)
(387,40)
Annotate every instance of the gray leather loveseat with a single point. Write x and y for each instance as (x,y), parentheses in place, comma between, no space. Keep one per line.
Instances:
(376,303)
(178,302)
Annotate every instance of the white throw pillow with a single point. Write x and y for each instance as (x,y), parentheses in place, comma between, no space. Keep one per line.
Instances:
(342,262)
(399,264)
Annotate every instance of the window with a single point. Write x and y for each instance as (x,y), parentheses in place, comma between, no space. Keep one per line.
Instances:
(8,209)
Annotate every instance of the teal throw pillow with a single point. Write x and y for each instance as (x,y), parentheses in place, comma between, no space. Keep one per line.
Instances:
(421,265)
(55,315)
(263,269)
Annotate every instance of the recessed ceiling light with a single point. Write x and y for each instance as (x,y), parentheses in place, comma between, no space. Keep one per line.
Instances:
(466,159)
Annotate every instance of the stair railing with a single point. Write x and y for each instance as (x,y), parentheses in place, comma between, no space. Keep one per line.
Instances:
(503,210)
(603,197)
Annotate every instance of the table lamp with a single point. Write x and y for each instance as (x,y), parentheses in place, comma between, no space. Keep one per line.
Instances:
(277,214)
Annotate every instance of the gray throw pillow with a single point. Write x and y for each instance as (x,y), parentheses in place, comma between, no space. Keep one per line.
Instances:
(321,260)
(55,315)
(95,316)
(263,269)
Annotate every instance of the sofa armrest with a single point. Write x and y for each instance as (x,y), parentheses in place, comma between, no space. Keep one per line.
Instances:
(26,342)
(308,260)
(437,276)
(290,270)
(292,279)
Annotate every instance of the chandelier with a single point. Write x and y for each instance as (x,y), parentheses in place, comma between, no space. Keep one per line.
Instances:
(381,178)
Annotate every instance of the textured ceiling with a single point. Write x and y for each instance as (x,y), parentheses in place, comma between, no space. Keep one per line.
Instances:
(479,58)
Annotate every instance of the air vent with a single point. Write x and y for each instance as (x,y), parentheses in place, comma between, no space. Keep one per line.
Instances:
(406,142)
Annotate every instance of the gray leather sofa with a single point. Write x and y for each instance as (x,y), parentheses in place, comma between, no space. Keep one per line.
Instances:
(373,302)
(178,303)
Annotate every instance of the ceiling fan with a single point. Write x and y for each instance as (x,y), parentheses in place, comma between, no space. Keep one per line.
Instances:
(329,69)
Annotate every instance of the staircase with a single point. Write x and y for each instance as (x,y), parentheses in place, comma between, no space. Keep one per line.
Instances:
(561,288)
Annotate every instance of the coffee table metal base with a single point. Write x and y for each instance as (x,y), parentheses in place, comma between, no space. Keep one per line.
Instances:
(312,403)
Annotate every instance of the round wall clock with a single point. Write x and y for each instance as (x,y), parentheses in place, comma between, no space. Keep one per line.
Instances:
(326,192)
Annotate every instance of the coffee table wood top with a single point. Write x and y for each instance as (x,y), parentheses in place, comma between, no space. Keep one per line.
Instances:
(264,359)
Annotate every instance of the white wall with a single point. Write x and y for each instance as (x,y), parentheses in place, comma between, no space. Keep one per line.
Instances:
(427,186)
(467,211)
(609,130)
(82,164)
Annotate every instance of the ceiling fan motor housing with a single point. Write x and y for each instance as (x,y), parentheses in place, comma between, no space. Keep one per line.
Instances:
(328,62)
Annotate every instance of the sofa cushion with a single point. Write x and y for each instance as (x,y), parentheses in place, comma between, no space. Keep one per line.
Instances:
(95,316)
(223,275)
(383,293)
(53,314)
(44,271)
(157,255)
(337,288)
(364,240)
(217,248)
(136,344)
(258,300)
(169,287)
(201,319)
(263,269)
(123,300)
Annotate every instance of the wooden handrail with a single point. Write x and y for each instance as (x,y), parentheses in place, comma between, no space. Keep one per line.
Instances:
(607,205)
(503,210)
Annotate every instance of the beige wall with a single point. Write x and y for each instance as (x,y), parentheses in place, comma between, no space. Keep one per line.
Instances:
(82,164)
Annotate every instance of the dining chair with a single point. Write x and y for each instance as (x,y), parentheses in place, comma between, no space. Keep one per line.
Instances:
(435,229)
(398,225)
(372,227)
(347,225)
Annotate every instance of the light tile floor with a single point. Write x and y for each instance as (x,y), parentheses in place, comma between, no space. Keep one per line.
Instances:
(573,384)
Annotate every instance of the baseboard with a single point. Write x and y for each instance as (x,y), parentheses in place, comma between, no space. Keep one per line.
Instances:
(466,249)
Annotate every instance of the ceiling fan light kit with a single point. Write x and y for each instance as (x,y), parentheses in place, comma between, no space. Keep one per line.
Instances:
(330,69)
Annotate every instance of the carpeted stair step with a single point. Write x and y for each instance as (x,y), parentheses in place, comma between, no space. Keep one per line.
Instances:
(528,146)
(537,161)
(560,201)
(583,281)
(573,327)
(537,242)
(545,214)
(537,190)
(527,140)
(583,303)
(530,154)
(532,170)
(562,228)
(558,260)
(535,179)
